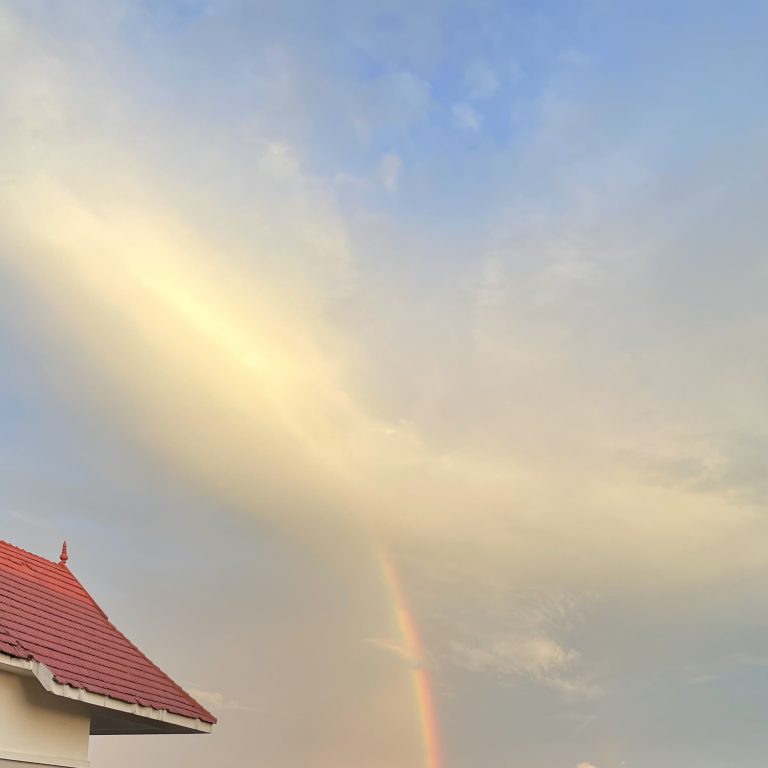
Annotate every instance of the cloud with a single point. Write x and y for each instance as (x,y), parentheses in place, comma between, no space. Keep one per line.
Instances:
(481,81)
(218,702)
(390,169)
(524,647)
(467,117)
(396,649)
(550,404)
(281,161)
(390,105)
(537,660)
(259,313)
(29,519)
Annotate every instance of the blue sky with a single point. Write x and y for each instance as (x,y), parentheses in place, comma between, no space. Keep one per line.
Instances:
(481,285)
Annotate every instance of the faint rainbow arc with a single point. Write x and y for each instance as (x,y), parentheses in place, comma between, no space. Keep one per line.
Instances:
(425,700)
(196,309)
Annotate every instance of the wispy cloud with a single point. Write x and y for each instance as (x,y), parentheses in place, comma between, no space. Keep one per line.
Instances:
(467,117)
(539,381)
(390,170)
(218,702)
(481,80)
(29,519)
(396,649)
(528,650)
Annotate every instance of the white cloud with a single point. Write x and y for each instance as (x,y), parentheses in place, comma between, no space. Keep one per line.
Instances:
(481,81)
(257,385)
(395,649)
(29,519)
(390,169)
(218,702)
(536,658)
(407,95)
(467,117)
(393,102)
(528,650)
(281,161)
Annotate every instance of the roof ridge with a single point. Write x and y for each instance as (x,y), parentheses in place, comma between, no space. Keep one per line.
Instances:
(137,649)
(60,567)
(28,553)
(85,591)
(66,628)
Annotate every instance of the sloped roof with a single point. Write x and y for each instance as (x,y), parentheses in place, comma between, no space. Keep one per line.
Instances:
(47,616)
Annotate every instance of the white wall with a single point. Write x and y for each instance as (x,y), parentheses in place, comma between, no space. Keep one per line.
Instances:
(38,727)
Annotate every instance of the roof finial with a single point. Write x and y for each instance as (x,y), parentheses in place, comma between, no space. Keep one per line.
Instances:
(63,557)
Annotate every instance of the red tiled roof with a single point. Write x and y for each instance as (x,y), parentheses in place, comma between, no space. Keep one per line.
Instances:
(46,615)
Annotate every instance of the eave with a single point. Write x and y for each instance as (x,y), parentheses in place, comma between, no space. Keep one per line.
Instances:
(109,716)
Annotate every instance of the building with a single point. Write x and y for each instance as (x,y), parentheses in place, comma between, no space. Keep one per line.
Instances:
(67,673)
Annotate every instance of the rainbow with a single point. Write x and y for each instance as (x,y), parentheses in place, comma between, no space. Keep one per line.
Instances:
(178,300)
(425,700)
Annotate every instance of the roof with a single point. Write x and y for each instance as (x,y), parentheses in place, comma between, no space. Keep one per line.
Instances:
(47,616)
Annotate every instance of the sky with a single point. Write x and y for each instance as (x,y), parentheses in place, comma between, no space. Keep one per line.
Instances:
(396,370)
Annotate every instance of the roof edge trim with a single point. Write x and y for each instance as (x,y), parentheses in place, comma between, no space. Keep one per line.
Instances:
(24,758)
(46,679)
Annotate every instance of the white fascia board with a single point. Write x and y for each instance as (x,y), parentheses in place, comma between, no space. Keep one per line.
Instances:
(45,678)
(19,758)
